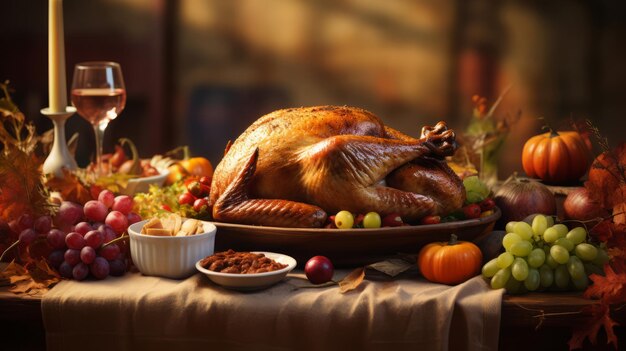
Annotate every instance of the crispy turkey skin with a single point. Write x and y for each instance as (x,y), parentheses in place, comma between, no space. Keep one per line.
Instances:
(291,167)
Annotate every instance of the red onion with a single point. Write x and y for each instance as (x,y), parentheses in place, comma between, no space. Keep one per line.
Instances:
(519,198)
(579,205)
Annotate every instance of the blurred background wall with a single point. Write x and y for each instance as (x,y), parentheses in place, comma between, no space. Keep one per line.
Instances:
(198,72)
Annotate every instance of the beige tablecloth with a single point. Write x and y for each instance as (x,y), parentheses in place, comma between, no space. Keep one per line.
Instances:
(147,313)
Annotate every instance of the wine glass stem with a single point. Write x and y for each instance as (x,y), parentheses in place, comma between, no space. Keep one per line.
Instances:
(99,134)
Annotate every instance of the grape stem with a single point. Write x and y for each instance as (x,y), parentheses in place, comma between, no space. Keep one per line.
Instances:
(116,240)
(8,249)
(598,219)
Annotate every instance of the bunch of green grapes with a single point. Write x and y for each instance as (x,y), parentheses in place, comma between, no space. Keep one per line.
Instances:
(544,256)
(475,189)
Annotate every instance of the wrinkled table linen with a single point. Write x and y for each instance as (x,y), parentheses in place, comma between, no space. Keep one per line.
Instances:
(137,312)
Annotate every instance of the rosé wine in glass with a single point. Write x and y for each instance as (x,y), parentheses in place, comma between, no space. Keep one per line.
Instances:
(99,96)
(96,105)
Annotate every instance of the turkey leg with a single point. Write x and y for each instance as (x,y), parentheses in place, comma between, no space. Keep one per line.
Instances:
(235,206)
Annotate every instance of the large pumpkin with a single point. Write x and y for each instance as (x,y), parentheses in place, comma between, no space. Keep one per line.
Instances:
(556,157)
(450,262)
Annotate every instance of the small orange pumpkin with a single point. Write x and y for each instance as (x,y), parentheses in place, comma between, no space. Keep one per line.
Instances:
(450,262)
(198,166)
(195,166)
(556,157)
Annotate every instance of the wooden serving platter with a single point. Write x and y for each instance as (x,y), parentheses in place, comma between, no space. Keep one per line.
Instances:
(347,247)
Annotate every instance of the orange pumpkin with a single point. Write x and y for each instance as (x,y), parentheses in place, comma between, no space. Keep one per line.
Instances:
(450,262)
(194,166)
(556,157)
(198,166)
(177,172)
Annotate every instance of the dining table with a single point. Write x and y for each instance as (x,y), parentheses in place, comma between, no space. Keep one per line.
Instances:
(403,312)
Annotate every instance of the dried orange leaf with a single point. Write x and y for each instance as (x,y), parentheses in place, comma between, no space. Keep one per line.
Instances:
(602,231)
(42,272)
(619,213)
(22,190)
(600,317)
(352,280)
(24,286)
(607,177)
(617,253)
(35,281)
(391,267)
(18,278)
(70,187)
(13,269)
(37,292)
(611,288)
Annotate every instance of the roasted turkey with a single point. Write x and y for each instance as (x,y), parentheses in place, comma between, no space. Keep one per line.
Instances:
(292,167)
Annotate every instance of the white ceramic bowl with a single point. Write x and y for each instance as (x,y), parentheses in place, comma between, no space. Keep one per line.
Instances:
(170,256)
(142,185)
(254,281)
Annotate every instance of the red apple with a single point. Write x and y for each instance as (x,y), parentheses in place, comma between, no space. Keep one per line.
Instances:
(319,270)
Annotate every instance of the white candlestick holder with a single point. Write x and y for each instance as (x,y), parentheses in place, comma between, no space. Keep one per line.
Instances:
(59,156)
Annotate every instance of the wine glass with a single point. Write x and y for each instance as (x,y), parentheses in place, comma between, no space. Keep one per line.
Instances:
(99,95)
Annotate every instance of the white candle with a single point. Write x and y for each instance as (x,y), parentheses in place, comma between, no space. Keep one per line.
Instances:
(57,91)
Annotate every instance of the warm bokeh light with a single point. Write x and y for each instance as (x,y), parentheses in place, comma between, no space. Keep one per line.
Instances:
(198,72)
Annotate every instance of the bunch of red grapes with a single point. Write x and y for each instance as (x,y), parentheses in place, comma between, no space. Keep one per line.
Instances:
(81,235)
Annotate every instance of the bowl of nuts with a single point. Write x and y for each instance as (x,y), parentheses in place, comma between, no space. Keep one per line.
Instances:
(246,270)
(170,246)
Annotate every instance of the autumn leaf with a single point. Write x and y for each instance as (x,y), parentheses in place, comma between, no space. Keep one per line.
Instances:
(43,272)
(619,213)
(70,187)
(35,280)
(391,267)
(610,288)
(25,286)
(607,177)
(15,133)
(618,258)
(602,231)
(352,280)
(613,235)
(617,253)
(21,188)
(600,317)
(607,186)
(13,269)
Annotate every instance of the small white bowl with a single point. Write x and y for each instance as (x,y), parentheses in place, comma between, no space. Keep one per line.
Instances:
(170,256)
(142,185)
(255,281)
